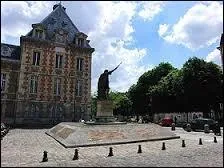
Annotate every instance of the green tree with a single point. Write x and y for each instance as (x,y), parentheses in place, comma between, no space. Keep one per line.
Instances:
(139,93)
(168,93)
(93,105)
(202,82)
(170,85)
(122,104)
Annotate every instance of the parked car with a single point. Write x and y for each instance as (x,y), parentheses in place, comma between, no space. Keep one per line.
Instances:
(167,122)
(198,123)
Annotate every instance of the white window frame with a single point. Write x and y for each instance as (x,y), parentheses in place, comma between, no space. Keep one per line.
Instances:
(3,81)
(37,59)
(80,64)
(57,84)
(33,84)
(59,61)
(78,88)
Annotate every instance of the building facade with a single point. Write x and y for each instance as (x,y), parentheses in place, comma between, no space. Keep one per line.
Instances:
(50,81)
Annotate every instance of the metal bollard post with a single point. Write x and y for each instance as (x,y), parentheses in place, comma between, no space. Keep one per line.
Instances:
(183,143)
(110,152)
(163,147)
(215,140)
(206,128)
(188,128)
(173,127)
(45,159)
(139,149)
(76,155)
(200,141)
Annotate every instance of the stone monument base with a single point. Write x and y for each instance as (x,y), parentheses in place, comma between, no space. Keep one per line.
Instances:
(104,114)
(104,108)
(105,119)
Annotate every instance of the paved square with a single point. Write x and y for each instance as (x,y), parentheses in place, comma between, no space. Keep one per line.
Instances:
(25,147)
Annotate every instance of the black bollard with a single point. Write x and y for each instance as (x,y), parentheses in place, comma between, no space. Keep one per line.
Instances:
(45,159)
(76,155)
(173,127)
(200,141)
(110,152)
(139,149)
(206,128)
(163,147)
(183,143)
(215,140)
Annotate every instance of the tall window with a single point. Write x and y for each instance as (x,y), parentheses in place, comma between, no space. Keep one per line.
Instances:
(57,86)
(36,58)
(33,84)
(38,33)
(78,88)
(58,61)
(80,42)
(3,81)
(79,64)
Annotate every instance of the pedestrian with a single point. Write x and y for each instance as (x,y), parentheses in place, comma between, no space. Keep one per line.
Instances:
(175,118)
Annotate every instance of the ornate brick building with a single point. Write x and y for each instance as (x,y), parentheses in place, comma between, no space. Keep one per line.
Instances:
(47,79)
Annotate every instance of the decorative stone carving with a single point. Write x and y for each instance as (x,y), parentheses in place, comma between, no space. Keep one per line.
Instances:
(6,51)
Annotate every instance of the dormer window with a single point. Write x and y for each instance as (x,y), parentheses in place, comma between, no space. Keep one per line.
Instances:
(39,33)
(80,42)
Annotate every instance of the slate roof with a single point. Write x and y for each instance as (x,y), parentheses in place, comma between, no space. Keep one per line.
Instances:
(58,19)
(11,52)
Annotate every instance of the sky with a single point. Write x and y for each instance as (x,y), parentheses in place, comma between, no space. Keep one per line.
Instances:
(140,34)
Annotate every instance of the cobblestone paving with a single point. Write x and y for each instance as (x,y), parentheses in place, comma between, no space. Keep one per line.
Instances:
(24,148)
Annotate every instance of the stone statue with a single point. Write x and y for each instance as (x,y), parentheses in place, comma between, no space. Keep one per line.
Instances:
(103,84)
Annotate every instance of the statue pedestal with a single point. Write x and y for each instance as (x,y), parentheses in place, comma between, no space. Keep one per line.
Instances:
(104,111)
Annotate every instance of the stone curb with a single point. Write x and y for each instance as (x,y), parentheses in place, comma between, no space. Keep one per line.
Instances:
(114,143)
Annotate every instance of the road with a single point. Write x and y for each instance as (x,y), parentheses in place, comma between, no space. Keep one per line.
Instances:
(24,147)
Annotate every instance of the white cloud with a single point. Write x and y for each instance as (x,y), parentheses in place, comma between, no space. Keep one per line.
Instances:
(163,29)
(214,56)
(108,25)
(150,9)
(201,26)
(17,17)
(110,39)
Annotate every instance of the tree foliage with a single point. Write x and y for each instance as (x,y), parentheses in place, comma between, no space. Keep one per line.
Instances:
(202,84)
(93,105)
(139,94)
(122,103)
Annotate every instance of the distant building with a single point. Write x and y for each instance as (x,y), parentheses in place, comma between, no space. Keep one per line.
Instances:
(47,79)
